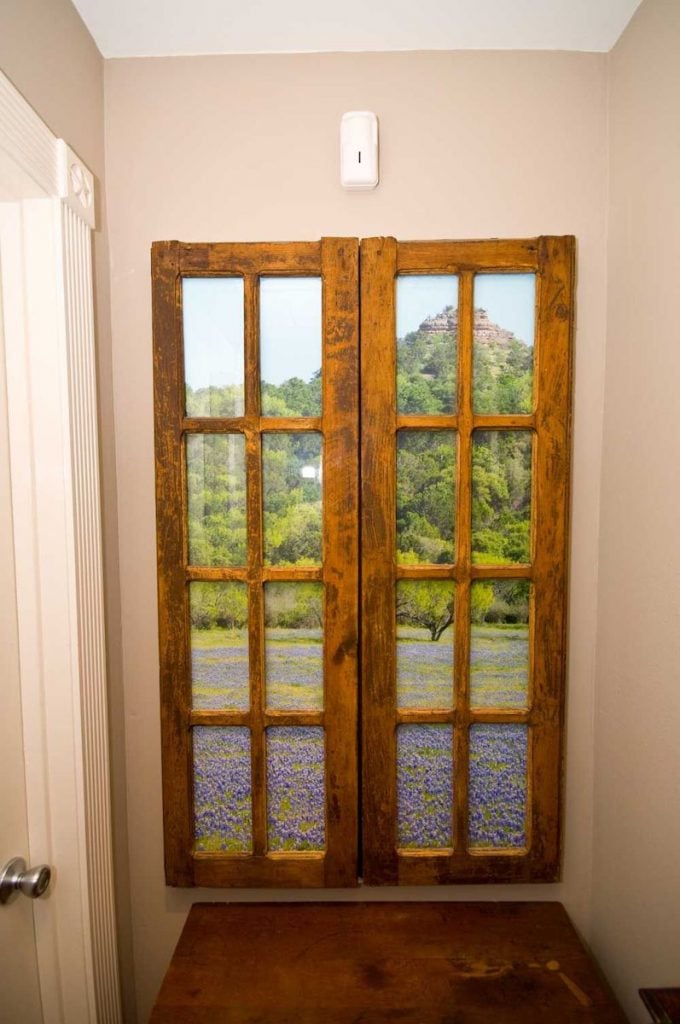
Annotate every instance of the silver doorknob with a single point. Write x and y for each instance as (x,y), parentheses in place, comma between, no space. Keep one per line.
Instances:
(15,877)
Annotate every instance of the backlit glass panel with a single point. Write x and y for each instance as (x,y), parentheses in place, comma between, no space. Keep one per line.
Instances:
(426,496)
(216,482)
(424,786)
(294,646)
(427,343)
(295,788)
(222,790)
(499,644)
(290,346)
(291,468)
(501,497)
(503,343)
(424,643)
(212,314)
(219,645)
(498,785)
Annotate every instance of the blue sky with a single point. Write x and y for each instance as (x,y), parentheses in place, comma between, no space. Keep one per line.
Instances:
(290,320)
(508,299)
(213,330)
(290,329)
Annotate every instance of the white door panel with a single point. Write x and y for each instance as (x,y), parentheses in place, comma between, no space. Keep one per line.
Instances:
(19,984)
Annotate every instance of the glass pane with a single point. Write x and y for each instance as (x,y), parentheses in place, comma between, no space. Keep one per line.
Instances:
(295,788)
(290,346)
(424,786)
(291,467)
(219,645)
(426,495)
(427,342)
(216,482)
(293,643)
(498,785)
(424,643)
(223,817)
(501,497)
(212,314)
(503,343)
(499,644)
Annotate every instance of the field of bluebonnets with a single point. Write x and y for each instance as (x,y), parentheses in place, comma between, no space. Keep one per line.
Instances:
(295,755)
(499,671)
(295,788)
(222,793)
(497,785)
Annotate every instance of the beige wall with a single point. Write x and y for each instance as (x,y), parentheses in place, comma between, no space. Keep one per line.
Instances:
(52,60)
(48,54)
(245,148)
(471,145)
(636,883)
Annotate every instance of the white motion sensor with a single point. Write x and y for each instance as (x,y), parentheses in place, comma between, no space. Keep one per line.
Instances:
(359,150)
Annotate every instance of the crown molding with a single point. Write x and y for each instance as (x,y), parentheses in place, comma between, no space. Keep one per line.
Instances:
(42,164)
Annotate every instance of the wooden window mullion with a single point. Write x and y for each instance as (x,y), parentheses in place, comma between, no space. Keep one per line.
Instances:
(463,560)
(378,491)
(172,587)
(550,260)
(336,262)
(340,379)
(255,540)
(256,645)
(553,421)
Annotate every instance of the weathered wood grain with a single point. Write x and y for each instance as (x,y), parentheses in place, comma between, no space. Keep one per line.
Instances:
(340,404)
(663,1004)
(233,259)
(452,257)
(336,261)
(461,666)
(171,544)
(378,498)
(553,362)
(417,963)
(552,260)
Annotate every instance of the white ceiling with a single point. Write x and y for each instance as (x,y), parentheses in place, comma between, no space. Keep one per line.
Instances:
(137,28)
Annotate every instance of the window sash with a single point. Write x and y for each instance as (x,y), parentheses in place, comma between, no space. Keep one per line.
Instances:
(382,259)
(337,262)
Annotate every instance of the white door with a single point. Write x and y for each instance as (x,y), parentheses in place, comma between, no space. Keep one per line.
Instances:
(59,960)
(19,988)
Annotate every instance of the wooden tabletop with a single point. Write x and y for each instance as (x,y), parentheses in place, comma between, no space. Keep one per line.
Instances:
(415,963)
(663,1004)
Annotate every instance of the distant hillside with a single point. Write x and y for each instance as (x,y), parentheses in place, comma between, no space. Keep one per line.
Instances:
(427,371)
(426,481)
(485,331)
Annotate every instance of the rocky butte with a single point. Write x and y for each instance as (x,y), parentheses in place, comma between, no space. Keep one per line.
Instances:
(485,331)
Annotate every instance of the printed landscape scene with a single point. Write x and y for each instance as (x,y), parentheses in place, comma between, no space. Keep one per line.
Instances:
(426,534)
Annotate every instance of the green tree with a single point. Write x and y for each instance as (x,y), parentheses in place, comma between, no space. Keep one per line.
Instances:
(223,605)
(481,600)
(425,603)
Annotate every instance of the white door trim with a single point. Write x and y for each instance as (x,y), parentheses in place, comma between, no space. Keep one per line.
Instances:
(46,219)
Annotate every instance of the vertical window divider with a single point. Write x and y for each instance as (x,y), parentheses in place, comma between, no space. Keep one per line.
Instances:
(340,429)
(461,716)
(378,489)
(171,554)
(551,544)
(255,591)
(348,301)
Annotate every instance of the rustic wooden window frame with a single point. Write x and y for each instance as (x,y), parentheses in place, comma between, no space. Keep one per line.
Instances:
(552,260)
(336,261)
